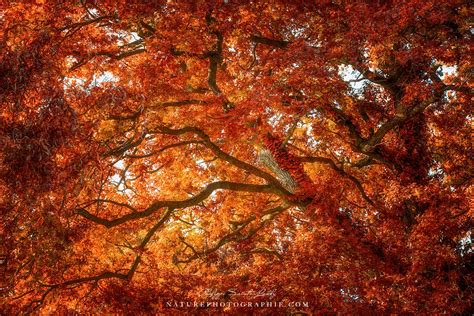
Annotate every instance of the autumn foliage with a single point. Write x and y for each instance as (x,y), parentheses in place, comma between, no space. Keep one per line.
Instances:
(153,151)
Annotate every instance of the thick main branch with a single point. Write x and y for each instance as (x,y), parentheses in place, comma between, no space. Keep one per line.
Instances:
(198,198)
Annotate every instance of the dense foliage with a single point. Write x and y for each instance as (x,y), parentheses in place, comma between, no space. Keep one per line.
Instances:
(152,151)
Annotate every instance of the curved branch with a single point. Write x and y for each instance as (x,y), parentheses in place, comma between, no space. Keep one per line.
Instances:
(341,172)
(111,55)
(235,235)
(269,41)
(184,143)
(224,156)
(111,202)
(78,25)
(108,274)
(155,206)
(402,115)
(128,144)
(183,102)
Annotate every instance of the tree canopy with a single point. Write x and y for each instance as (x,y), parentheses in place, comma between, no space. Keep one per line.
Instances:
(153,151)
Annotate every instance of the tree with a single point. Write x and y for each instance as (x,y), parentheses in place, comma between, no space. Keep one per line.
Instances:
(158,151)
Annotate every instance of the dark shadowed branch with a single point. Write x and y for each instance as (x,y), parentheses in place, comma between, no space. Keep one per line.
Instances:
(35,304)
(235,235)
(198,198)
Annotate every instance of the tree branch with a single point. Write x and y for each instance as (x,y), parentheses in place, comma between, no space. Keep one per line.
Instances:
(236,234)
(339,170)
(163,149)
(224,156)
(402,115)
(269,41)
(107,274)
(178,103)
(111,55)
(78,25)
(120,150)
(155,206)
